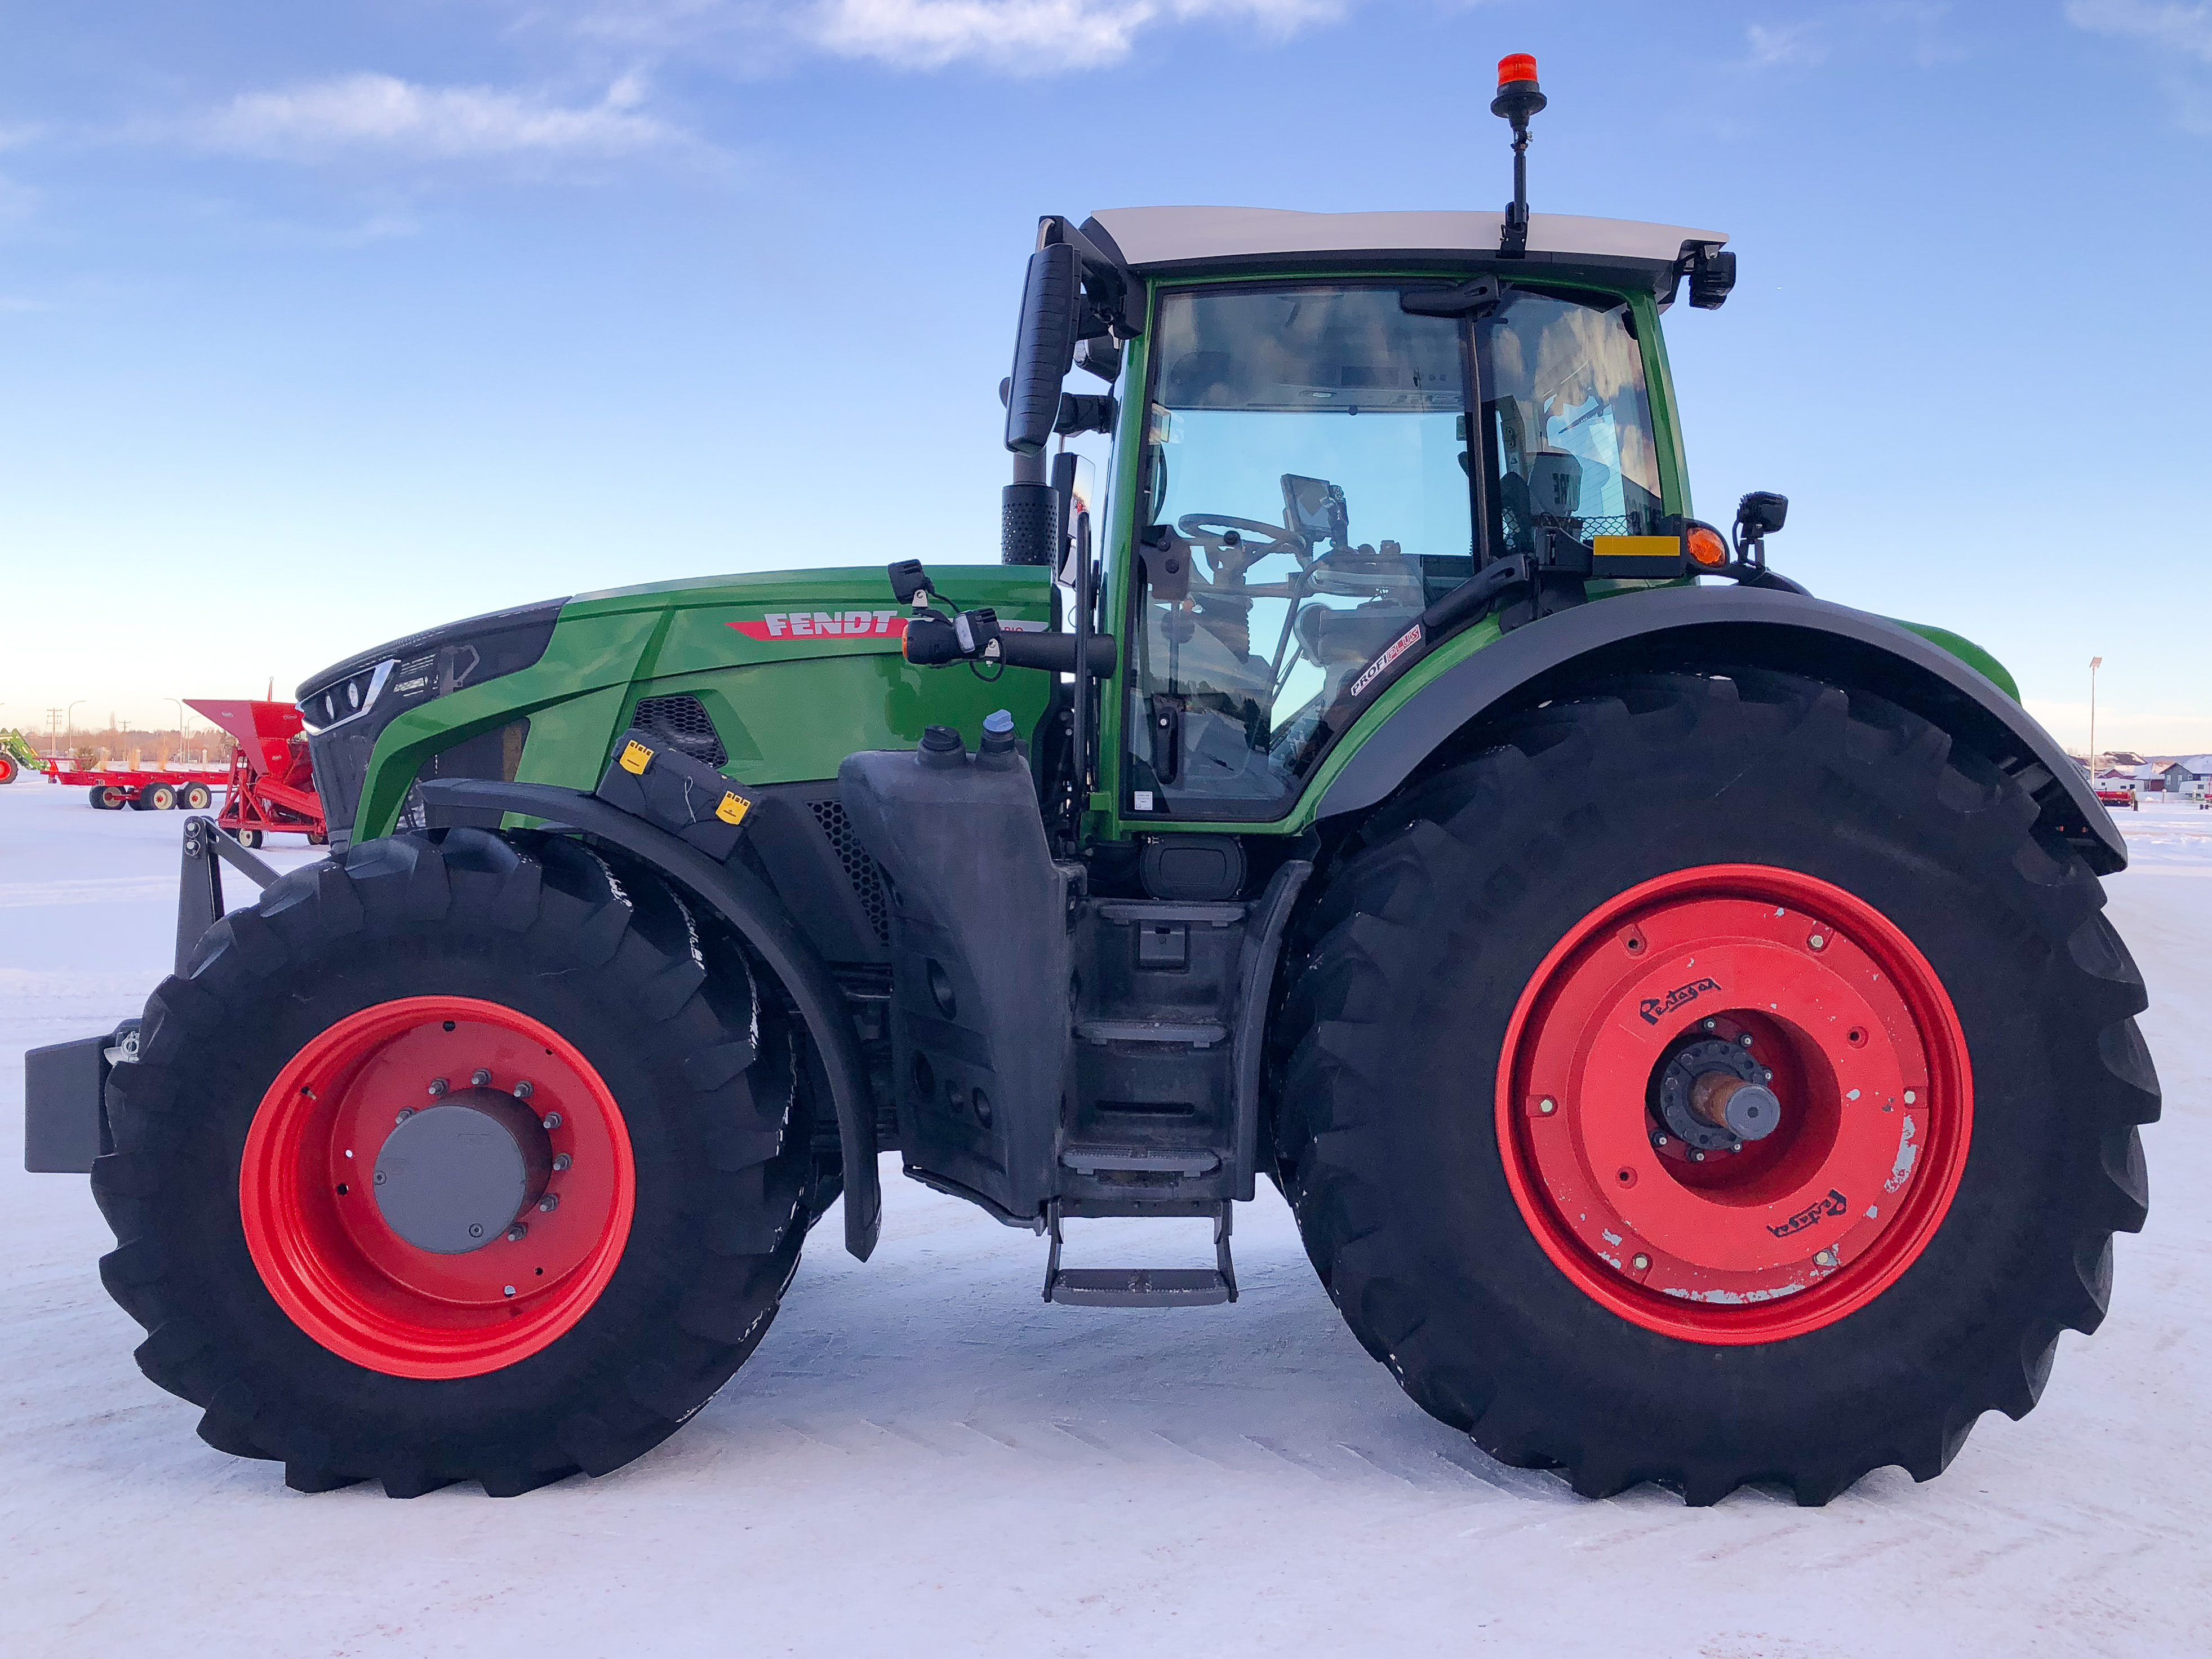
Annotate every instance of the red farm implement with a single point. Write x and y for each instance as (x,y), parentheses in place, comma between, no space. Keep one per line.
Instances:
(271,785)
(146,788)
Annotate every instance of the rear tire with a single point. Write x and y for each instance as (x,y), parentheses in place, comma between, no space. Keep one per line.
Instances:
(1415,1164)
(249,838)
(195,796)
(104,798)
(698,1069)
(159,797)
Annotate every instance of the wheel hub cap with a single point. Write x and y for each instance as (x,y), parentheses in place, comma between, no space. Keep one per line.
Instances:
(454,1178)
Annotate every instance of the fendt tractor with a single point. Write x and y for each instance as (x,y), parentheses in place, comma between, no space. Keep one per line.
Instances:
(1677,1009)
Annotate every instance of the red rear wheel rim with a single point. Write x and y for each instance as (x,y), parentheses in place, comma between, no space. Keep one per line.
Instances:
(320,1240)
(1794,1232)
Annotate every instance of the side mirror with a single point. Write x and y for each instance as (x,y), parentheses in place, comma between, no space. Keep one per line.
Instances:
(1044,349)
(1759,514)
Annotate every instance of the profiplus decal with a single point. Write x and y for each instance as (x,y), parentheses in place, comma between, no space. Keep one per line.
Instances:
(888,624)
(1654,1008)
(1398,647)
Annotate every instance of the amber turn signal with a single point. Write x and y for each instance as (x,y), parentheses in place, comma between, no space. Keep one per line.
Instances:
(1708,551)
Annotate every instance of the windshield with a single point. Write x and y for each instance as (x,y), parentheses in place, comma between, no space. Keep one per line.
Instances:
(1307,488)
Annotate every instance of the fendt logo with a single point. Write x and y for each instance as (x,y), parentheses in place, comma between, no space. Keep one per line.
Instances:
(824,624)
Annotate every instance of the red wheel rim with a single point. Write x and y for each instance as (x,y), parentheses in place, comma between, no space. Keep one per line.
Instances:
(320,1241)
(1860,1046)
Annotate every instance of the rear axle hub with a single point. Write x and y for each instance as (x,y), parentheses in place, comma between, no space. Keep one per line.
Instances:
(1713,1096)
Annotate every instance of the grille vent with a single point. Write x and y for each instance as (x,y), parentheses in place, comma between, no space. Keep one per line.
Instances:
(861,869)
(683,722)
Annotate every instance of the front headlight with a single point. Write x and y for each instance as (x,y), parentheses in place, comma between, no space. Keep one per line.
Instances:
(346,707)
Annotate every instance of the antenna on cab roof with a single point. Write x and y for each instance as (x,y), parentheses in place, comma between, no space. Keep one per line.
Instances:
(1518,98)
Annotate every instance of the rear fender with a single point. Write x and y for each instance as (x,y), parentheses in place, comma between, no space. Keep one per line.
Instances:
(1715,628)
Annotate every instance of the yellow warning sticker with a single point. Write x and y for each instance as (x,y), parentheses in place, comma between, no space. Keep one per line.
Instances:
(733,809)
(636,757)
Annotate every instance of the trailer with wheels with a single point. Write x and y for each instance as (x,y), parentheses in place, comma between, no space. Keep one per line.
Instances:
(144,789)
(271,787)
(1677,1010)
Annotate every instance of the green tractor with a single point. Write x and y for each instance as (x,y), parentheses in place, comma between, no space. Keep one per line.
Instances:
(1677,1010)
(17,756)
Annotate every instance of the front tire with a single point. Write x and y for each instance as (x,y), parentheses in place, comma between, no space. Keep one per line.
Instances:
(289,1291)
(1501,983)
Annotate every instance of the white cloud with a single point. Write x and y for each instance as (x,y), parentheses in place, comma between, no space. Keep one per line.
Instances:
(2185,29)
(2181,34)
(383,112)
(1030,36)
(1790,46)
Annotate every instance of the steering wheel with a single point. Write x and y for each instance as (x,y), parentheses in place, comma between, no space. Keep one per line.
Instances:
(1210,531)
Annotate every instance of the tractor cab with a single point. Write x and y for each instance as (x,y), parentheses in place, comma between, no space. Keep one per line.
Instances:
(1338,442)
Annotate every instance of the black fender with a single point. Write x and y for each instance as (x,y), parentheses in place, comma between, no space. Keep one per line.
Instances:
(1694,628)
(751,908)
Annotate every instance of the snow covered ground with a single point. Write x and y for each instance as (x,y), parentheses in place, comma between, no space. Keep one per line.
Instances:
(924,1458)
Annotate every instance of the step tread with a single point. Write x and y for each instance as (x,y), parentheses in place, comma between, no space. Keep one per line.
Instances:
(1199,1034)
(1196,1161)
(1139,1287)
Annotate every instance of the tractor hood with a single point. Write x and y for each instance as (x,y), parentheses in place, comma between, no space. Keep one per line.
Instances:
(538,692)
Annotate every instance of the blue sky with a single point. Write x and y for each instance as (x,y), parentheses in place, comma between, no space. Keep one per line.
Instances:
(321,323)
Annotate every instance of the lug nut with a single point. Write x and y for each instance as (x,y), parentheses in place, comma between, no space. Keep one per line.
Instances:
(1639,1262)
(522,1090)
(481,1075)
(406,1112)
(1910,1097)
(559,1161)
(517,1233)
(550,1203)
(507,1289)
(1745,1039)
(1817,942)
(1658,1141)
(438,1087)
(1547,1105)
(1697,1156)
(1706,1025)
(1825,1258)
(550,1121)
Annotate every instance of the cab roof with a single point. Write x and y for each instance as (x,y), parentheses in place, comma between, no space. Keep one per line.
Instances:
(1164,239)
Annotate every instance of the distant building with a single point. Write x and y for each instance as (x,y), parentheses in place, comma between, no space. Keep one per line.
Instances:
(2188,776)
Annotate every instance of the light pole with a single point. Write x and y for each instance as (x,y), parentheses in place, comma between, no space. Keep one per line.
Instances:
(179,702)
(2095,663)
(69,719)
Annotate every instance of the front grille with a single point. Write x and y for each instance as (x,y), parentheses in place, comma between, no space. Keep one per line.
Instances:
(684,722)
(860,868)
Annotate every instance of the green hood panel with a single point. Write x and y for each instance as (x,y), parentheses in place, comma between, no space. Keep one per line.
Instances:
(797,669)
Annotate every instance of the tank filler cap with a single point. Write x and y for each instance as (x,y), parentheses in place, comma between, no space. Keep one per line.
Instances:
(998,748)
(941,747)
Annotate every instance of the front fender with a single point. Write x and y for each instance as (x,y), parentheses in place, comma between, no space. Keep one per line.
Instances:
(1714,629)
(750,906)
